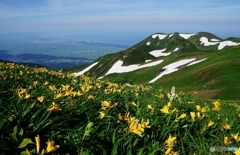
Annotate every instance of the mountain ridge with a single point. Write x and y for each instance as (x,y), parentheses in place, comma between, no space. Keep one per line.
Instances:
(164,55)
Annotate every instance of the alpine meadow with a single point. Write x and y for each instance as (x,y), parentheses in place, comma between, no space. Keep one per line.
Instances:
(169,94)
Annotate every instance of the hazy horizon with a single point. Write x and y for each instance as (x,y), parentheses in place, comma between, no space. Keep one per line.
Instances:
(117,22)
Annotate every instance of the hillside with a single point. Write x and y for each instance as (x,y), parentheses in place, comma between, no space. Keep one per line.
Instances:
(44,111)
(202,64)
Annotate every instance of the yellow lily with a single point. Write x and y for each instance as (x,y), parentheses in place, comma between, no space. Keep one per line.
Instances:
(165,109)
(54,107)
(102,114)
(216,105)
(106,104)
(210,123)
(41,98)
(193,115)
(51,147)
(182,116)
(37,139)
(236,137)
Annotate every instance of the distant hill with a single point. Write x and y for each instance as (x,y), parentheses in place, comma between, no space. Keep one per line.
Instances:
(201,63)
(25,64)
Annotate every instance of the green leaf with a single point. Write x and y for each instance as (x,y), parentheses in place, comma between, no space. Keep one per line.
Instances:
(21,132)
(14,138)
(114,136)
(25,142)
(115,149)
(15,131)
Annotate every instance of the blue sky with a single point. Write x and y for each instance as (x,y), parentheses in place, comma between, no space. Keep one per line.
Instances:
(118,21)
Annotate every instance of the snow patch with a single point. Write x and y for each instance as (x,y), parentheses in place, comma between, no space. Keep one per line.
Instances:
(158,53)
(85,70)
(170,35)
(173,67)
(148,43)
(221,45)
(118,68)
(227,43)
(148,60)
(160,36)
(213,39)
(195,62)
(205,41)
(176,49)
(186,36)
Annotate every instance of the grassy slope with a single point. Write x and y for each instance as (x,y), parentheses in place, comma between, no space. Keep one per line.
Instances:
(217,77)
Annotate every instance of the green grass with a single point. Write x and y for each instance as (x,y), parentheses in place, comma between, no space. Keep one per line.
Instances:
(83,115)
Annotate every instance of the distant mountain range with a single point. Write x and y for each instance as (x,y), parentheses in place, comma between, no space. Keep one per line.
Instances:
(200,63)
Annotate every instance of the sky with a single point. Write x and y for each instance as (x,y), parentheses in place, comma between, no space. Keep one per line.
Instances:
(118,21)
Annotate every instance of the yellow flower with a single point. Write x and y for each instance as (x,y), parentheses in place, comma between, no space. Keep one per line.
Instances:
(106,104)
(237,152)
(193,115)
(58,95)
(145,124)
(77,94)
(135,127)
(37,139)
(168,151)
(204,109)
(216,105)
(40,98)
(90,97)
(28,152)
(133,103)
(170,141)
(198,107)
(165,109)
(182,116)
(52,87)
(54,107)
(102,114)
(226,126)
(149,106)
(169,104)
(51,147)
(236,137)
(210,123)
(46,83)
(27,96)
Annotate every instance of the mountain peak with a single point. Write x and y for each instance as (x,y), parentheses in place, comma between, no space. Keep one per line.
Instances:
(159,55)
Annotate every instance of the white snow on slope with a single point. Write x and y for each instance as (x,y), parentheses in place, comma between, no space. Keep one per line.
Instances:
(213,39)
(158,53)
(170,35)
(173,67)
(227,43)
(205,41)
(221,45)
(85,70)
(186,36)
(161,36)
(148,43)
(195,62)
(176,49)
(148,60)
(118,68)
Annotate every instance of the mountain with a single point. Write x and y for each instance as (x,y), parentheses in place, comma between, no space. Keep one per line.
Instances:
(201,63)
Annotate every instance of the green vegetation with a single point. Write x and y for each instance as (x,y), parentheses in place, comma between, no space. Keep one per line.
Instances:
(45,111)
(217,74)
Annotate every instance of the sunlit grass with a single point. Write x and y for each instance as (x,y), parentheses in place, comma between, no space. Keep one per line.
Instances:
(47,111)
